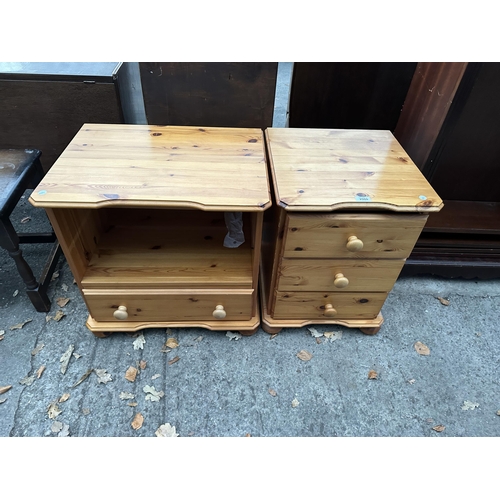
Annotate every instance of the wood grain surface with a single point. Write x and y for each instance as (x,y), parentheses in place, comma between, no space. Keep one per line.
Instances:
(330,169)
(154,166)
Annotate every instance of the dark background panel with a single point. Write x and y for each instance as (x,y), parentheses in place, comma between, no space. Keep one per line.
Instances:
(209,94)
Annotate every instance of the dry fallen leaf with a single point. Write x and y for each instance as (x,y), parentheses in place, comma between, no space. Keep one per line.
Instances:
(5,388)
(16,293)
(469,405)
(137,422)
(62,301)
(126,395)
(315,332)
(64,287)
(445,302)
(143,364)
(333,336)
(59,315)
(18,326)
(172,361)
(131,373)
(132,404)
(25,219)
(273,392)
(56,426)
(422,349)
(166,430)
(37,349)
(411,381)
(53,410)
(155,376)
(233,336)
(77,356)
(304,355)
(372,374)
(139,342)
(273,336)
(83,377)
(102,376)
(318,341)
(65,358)
(40,371)
(64,432)
(64,397)
(2,336)
(152,394)
(172,343)
(439,428)
(295,403)
(27,380)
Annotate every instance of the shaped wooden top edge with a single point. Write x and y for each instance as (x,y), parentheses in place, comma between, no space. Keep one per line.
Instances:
(361,207)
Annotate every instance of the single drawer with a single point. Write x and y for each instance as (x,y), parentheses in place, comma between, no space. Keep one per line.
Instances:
(171,305)
(311,305)
(339,275)
(364,236)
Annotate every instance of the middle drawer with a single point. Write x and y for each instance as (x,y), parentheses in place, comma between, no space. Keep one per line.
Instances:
(171,305)
(339,275)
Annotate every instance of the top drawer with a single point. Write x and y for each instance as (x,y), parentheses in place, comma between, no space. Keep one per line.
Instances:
(354,235)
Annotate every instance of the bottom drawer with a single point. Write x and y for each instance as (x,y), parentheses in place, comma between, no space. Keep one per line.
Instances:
(174,305)
(322,305)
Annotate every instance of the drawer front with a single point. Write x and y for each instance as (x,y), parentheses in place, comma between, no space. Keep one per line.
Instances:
(174,305)
(320,305)
(339,275)
(364,236)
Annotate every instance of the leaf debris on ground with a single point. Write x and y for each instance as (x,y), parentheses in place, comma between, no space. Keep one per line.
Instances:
(443,301)
(64,287)
(64,397)
(62,301)
(295,403)
(273,393)
(174,360)
(15,294)
(40,371)
(18,326)
(469,405)
(372,375)
(126,395)
(64,432)
(25,219)
(411,381)
(56,426)
(137,422)
(166,430)
(102,376)
(131,373)
(315,332)
(143,364)
(53,410)
(83,377)
(233,336)
(155,376)
(273,336)
(439,428)
(55,275)
(66,357)
(333,336)
(132,404)
(304,355)
(5,388)
(152,394)
(27,380)
(422,349)
(85,411)
(37,349)
(139,342)
(3,400)
(172,343)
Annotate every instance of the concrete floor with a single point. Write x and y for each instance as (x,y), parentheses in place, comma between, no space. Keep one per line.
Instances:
(255,385)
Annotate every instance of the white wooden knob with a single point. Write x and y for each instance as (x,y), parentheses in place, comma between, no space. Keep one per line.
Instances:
(340,281)
(354,244)
(121,313)
(219,312)
(330,312)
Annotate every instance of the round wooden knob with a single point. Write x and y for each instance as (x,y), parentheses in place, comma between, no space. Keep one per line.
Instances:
(354,244)
(121,313)
(330,311)
(340,281)
(219,312)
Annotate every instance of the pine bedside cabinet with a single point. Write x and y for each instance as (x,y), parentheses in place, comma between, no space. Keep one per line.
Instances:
(140,213)
(348,208)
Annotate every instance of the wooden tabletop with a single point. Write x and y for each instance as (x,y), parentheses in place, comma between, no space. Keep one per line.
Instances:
(331,169)
(208,168)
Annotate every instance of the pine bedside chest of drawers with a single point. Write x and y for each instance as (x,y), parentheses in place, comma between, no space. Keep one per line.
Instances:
(142,215)
(348,207)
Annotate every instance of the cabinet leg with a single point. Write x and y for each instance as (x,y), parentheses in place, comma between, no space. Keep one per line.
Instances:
(370,331)
(102,335)
(248,333)
(272,330)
